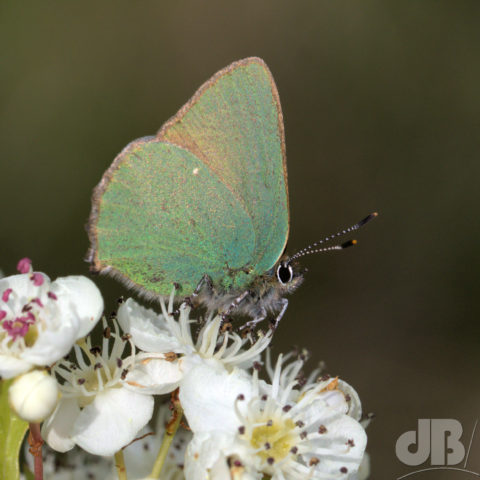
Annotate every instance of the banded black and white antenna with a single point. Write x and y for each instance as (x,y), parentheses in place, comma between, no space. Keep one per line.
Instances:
(312,248)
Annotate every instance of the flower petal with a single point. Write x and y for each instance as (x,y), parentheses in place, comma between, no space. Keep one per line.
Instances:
(11,366)
(22,286)
(155,376)
(80,297)
(208,392)
(355,405)
(205,452)
(51,345)
(342,445)
(112,420)
(57,429)
(149,330)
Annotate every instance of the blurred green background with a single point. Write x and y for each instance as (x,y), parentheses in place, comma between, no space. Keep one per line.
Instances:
(382,112)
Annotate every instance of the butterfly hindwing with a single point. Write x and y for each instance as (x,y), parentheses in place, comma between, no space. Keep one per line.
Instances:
(161,215)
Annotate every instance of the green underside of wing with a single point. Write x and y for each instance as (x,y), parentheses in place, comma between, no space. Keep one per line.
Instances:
(164,217)
(235,129)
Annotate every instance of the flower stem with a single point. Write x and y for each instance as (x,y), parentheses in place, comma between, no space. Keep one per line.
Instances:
(170,430)
(35,441)
(120,465)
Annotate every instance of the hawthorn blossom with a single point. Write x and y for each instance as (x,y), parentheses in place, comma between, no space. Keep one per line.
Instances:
(101,409)
(163,335)
(40,320)
(274,429)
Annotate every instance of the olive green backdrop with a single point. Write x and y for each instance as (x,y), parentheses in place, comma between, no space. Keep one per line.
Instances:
(382,112)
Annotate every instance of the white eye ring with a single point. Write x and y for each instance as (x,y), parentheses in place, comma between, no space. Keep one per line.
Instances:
(280,274)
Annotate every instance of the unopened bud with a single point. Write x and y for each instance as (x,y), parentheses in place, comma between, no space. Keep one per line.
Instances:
(33,396)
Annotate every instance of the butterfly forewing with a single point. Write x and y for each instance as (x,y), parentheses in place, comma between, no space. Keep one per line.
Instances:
(234,125)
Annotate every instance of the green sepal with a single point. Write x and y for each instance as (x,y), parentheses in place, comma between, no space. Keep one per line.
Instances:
(13,431)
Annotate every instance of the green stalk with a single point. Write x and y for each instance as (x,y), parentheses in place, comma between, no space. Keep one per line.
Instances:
(170,431)
(120,466)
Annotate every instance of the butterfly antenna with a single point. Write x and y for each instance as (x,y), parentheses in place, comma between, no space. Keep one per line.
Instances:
(311,248)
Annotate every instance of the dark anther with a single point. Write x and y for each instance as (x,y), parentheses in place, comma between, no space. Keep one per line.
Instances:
(299,424)
(241,430)
(120,300)
(314,461)
(126,337)
(287,408)
(81,381)
(245,333)
(264,398)
(303,435)
(97,366)
(119,362)
(107,332)
(124,374)
(257,366)
(269,423)
(322,429)
(350,442)
(344,470)
(96,350)
(226,327)
(294,450)
(270,460)
(241,397)
(267,446)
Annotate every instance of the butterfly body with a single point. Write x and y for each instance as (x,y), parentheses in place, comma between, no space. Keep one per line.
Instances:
(204,203)
(264,295)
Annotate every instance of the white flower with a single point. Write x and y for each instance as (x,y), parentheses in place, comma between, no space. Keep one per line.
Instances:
(278,430)
(40,320)
(163,335)
(101,409)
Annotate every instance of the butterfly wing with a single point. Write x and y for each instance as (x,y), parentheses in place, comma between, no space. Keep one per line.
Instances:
(234,125)
(161,215)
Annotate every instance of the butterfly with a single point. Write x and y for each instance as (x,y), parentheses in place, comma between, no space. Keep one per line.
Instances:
(203,204)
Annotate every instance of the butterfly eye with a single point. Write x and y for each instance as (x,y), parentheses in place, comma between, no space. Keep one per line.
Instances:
(284,273)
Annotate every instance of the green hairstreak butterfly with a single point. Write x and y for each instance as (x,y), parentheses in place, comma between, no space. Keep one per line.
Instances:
(204,203)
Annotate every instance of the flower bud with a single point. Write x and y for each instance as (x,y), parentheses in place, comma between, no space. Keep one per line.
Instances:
(33,396)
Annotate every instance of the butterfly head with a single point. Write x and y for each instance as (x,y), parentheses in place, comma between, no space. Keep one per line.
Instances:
(288,275)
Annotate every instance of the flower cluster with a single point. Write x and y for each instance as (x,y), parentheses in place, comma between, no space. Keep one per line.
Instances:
(287,425)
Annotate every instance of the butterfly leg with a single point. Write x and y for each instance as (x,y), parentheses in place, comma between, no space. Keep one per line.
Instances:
(252,323)
(205,280)
(282,312)
(236,302)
